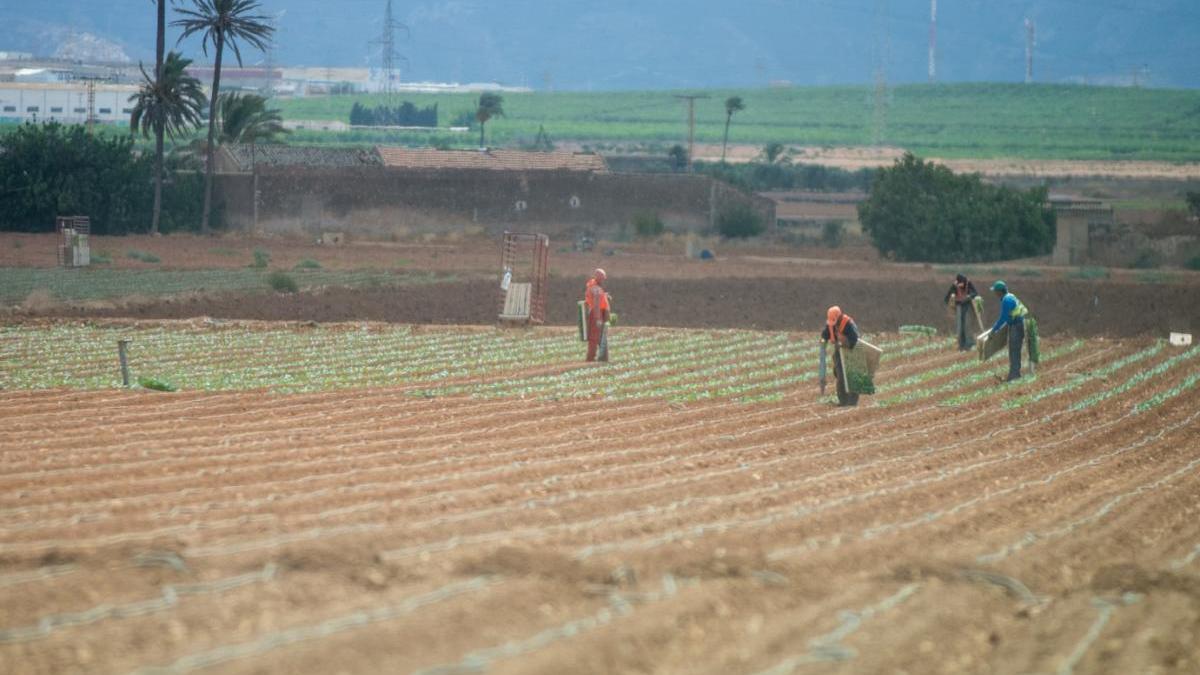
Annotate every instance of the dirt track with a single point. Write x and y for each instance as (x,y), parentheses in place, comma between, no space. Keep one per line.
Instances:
(368,531)
(1067,307)
(746,287)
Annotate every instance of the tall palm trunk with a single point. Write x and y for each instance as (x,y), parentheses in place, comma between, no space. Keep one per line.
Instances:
(159,48)
(481,126)
(212,136)
(725,142)
(158,176)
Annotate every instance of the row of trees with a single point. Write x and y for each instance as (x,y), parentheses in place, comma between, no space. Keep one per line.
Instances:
(170,103)
(404,115)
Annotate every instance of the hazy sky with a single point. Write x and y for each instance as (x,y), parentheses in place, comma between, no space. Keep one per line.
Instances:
(617,44)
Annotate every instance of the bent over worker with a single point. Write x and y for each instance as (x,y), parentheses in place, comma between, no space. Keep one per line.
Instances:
(964,294)
(597,302)
(842,332)
(1012,314)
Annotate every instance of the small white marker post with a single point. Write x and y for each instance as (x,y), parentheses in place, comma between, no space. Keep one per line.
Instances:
(122,349)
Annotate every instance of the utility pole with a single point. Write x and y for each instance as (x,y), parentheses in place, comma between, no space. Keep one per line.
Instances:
(932,41)
(691,101)
(91,106)
(387,42)
(882,40)
(1030,43)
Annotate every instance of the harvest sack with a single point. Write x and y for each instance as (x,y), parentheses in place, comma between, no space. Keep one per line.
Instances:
(989,344)
(583,321)
(859,366)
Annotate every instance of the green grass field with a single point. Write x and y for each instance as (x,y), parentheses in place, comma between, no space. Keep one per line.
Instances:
(953,121)
(949,121)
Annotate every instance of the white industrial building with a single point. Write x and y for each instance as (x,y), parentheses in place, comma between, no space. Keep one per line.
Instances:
(65,102)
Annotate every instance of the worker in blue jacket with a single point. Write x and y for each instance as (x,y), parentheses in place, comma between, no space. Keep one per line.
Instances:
(1012,314)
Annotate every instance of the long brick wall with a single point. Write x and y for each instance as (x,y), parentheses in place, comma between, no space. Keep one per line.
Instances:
(381,201)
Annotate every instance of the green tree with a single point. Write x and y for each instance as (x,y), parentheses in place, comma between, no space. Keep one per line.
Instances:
(490,105)
(679,157)
(740,221)
(169,104)
(47,170)
(732,104)
(1193,202)
(246,119)
(221,22)
(921,211)
(772,152)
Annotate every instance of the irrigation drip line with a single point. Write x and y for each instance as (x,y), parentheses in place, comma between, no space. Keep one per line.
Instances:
(277,639)
(620,605)
(1031,538)
(169,597)
(828,648)
(1106,609)
(48,572)
(1187,559)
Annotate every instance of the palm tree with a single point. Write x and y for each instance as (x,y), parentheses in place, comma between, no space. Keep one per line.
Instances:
(220,22)
(490,105)
(160,37)
(169,104)
(245,118)
(732,104)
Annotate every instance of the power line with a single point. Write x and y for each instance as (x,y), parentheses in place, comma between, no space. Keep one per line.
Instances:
(387,43)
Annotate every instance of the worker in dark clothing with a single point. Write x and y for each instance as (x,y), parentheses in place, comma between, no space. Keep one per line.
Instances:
(1012,314)
(842,332)
(964,294)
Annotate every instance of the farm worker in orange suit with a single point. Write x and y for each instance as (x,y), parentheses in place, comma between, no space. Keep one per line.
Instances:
(840,330)
(597,302)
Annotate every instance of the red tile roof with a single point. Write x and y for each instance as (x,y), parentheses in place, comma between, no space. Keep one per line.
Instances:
(500,160)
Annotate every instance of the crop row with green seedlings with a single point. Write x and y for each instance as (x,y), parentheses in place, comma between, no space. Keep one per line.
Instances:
(1080,380)
(983,373)
(666,356)
(1163,396)
(281,360)
(750,381)
(894,351)
(1137,379)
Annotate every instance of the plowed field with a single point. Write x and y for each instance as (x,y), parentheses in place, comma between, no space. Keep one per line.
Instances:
(380,499)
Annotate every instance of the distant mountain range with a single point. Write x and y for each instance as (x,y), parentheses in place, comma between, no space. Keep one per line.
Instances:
(678,44)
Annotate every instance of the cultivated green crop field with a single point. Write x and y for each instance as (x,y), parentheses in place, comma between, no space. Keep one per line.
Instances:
(951,121)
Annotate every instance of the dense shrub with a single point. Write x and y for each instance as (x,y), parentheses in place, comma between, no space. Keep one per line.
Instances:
(48,170)
(261,259)
(739,221)
(757,177)
(921,211)
(308,264)
(282,282)
(1193,263)
(1193,202)
(647,225)
(833,233)
(404,115)
(1146,259)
